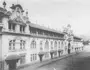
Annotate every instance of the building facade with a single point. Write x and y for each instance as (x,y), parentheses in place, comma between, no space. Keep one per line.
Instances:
(24,42)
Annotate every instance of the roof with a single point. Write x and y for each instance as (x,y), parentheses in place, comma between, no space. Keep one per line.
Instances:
(31,24)
(16,22)
(13,57)
(44,28)
(78,38)
(2,9)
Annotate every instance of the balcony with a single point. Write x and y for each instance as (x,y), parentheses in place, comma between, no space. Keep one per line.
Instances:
(45,36)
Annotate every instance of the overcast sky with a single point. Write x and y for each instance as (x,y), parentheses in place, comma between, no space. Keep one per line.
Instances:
(59,13)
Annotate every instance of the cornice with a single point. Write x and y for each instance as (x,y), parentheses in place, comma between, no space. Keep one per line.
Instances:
(31,35)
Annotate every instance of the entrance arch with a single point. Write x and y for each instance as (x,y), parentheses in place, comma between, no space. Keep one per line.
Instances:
(11,60)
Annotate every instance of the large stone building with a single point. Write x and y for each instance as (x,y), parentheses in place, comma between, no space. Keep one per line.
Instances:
(23,42)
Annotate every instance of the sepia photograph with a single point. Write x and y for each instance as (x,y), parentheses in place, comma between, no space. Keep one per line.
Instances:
(44,34)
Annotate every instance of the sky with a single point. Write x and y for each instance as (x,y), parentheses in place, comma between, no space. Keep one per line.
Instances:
(58,13)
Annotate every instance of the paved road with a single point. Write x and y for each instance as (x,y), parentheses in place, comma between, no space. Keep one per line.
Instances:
(76,62)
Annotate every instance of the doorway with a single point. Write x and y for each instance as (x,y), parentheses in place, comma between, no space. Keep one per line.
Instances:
(69,45)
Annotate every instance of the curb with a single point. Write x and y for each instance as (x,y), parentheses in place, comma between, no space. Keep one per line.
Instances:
(62,57)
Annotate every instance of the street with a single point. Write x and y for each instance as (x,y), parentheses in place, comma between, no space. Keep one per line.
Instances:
(44,35)
(79,61)
(76,62)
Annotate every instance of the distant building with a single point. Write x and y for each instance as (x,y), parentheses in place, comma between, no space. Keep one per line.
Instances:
(23,42)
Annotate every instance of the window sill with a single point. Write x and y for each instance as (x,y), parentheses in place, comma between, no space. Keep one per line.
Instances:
(12,30)
(22,32)
(22,50)
(33,48)
(12,50)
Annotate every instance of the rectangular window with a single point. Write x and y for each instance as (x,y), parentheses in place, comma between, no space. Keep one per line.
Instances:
(23,28)
(23,44)
(12,45)
(33,57)
(9,26)
(20,45)
(13,27)
(20,28)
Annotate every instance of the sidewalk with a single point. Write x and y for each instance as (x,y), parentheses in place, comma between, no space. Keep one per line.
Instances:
(39,64)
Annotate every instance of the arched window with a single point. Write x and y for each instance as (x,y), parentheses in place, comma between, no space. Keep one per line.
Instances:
(51,44)
(22,44)
(47,45)
(55,45)
(65,43)
(33,44)
(61,43)
(58,44)
(41,48)
(12,45)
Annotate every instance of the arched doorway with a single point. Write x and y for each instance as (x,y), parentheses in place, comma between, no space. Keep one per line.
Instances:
(46,46)
(55,47)
(41,51)
(11,60)
(51,52)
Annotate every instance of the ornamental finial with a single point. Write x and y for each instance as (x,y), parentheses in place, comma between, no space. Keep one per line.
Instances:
(4,4)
